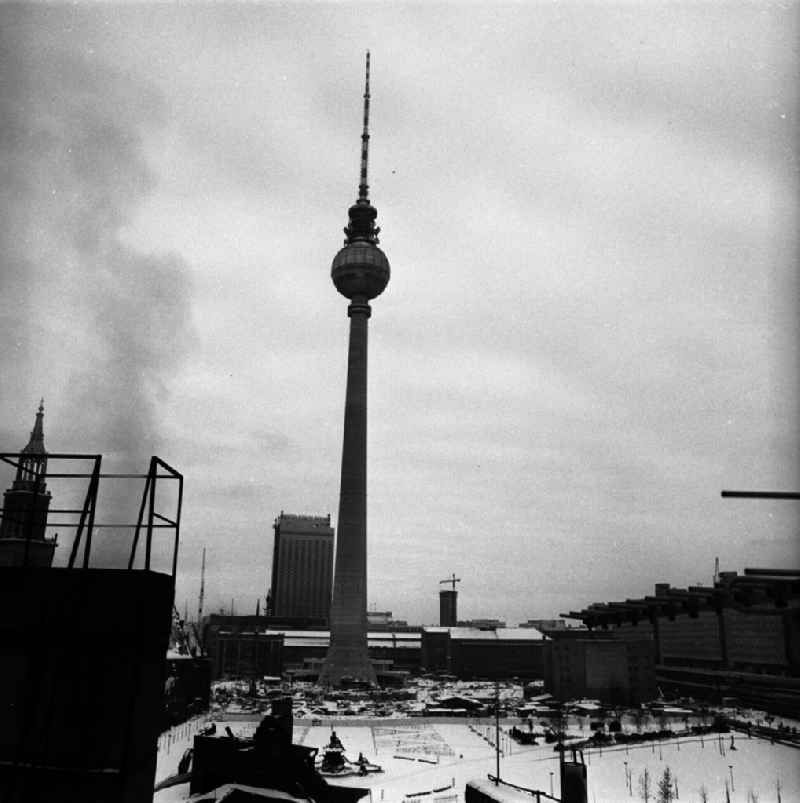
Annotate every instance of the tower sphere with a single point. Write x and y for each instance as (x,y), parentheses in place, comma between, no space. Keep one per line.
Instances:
(360,270)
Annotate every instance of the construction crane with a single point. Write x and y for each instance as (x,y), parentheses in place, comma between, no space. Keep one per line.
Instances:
(202,589)
(452,580)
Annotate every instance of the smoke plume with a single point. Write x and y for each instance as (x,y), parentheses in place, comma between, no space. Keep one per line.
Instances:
(89,321)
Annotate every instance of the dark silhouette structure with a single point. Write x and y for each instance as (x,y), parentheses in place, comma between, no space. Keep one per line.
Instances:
(268,761)
(360,272)
(739,638)
(23,538)
(82,653)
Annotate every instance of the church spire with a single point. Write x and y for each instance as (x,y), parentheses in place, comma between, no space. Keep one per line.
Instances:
(36,442)
(362,214)
(33,457)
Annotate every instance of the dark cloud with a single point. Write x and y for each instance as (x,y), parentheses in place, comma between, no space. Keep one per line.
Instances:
(591,326)
(98,324)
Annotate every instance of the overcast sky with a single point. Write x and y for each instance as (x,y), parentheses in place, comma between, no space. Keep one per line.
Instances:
(591,213)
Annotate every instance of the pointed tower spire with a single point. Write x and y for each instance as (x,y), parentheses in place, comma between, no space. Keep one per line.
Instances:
(362,214)
(36,442)
(363,187)
(23,522)
(33,457)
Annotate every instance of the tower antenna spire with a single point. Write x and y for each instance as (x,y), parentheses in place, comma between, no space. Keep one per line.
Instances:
(361,226)
(363,187)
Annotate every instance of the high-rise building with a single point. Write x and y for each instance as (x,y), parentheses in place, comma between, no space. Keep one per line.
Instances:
(448,607)
(302,566)
(23,539)
(448,602)
(360,272)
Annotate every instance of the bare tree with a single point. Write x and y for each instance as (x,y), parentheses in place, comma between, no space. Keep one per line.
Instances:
(645,786)
(666,788)
(703,792)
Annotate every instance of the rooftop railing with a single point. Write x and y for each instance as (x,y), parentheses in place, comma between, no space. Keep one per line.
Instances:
(83,519)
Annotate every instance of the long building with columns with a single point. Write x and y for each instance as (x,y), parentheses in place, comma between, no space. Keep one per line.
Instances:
(739,637)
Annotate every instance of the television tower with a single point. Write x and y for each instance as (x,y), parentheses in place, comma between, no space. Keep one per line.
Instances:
(360,272)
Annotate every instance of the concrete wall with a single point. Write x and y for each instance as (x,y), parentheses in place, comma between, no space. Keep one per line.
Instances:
(685,640)
(607,670)
(491,658)
(82,661)
(435,649)
(755,640)
(613,670)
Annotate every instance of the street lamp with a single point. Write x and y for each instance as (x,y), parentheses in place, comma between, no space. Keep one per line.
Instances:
(730,767)
(551,784)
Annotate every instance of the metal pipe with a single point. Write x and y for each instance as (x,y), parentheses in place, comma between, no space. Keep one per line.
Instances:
(150,511)
(135,542)
(93,488)
(177,529)
(761,494)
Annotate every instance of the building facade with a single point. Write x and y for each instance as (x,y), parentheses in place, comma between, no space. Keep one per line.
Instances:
(448,607)
(545,624)
(739,638)
(579,663)
(302,567)
(470,652)
(23,529)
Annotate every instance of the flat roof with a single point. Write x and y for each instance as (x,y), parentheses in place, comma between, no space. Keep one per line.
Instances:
(321,638)
(480,634)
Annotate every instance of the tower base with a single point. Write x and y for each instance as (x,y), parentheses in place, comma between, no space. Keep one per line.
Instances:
(347,665)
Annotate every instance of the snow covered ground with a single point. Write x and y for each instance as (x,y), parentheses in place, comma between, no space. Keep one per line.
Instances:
(440,757)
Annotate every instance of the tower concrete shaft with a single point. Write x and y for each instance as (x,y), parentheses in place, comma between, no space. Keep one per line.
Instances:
(360,271)
(348,659)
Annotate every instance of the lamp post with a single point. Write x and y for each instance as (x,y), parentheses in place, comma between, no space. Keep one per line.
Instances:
(497,728)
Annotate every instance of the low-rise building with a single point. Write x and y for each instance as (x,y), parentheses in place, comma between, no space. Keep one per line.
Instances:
(470,652)
(545,624)
(739,637)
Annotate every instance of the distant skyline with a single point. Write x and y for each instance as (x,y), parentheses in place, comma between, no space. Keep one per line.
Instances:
(591,213)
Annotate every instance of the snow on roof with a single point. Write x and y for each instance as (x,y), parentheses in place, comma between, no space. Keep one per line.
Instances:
(229,790)
(321,638)
(586,705)
(500,792)
(498,634)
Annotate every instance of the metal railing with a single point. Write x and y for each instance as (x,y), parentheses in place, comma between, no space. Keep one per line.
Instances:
(148,519)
